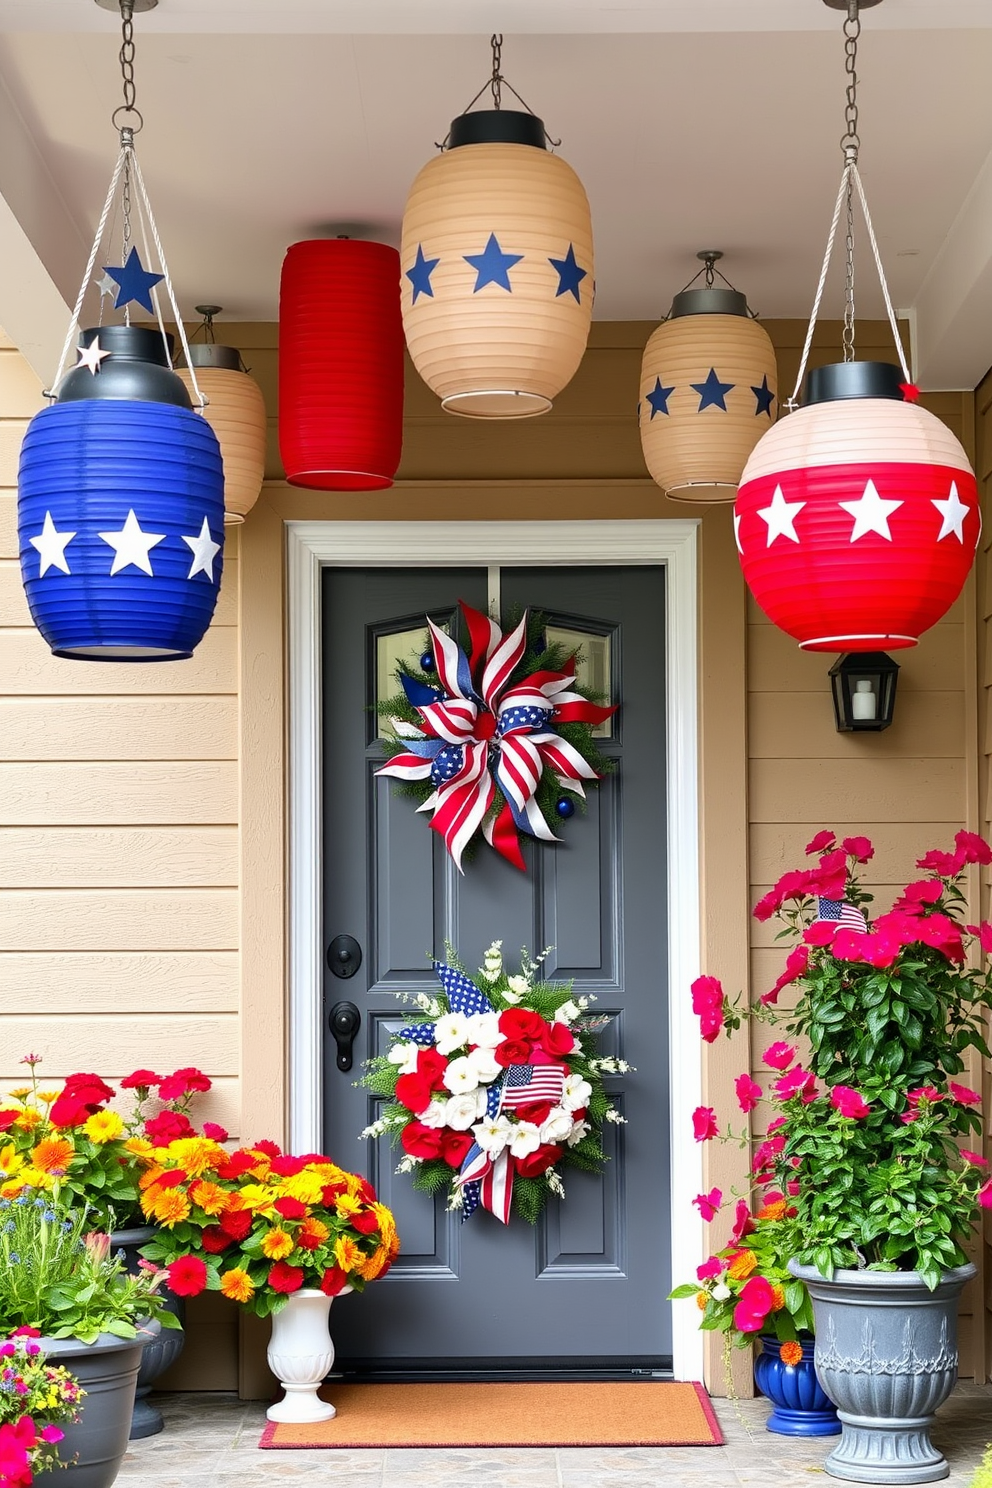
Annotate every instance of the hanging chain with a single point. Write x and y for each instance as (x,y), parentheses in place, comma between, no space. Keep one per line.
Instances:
(850,144)
(126,59)
(496,81)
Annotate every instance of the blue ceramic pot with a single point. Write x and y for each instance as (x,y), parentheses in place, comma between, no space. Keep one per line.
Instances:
(800,1407)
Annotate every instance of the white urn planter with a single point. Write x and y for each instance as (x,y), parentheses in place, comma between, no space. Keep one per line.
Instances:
(301,1355)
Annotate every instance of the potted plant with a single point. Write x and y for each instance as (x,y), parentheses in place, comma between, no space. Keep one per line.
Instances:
(866,1140)
(281,1235)
(74,1136)
(60,1278)
(34,1397)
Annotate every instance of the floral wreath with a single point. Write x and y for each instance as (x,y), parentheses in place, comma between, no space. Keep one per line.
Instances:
(492,739)
(496,1089)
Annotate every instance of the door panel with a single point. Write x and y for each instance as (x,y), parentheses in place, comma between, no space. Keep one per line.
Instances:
(584,1288)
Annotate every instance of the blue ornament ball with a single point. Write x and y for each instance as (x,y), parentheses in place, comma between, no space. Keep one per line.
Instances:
(565,807)
(427,661)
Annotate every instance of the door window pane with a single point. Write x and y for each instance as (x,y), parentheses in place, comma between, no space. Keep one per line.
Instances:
(592,668)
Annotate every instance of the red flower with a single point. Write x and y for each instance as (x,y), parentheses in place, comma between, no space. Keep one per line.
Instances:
(172,1179)
(743,1222)
(414,1092)
(704,1124)
(755,1302)
(822,842)
(709,1204)
(536,1163)
(91,1087)
(8,1117)
(271,1149)
(431,1067)
(512,1051)
(333,1281)
(330,1192)
(829,879)
(849,1102)
(915,895)
(797,1082)
(709,1268)
(142,1077)
(367,1222)
(984,1195)
(187,1276)
(971,848)
(779,1056)
(237,1165)
(290,1208)
(237,1223)
(521,1023)
(850,945)
(940,932)
(215,1239)
(707,1004)
(283,1278)
(537,1112)
(168,1126)
(922,1093)
(214,1132)
(68,1110)
(795,966)
(947,865)
(285,1166)
(963,1095)
(821,932)
(421,1141)
(455,1147)
(557,1040)
(183,1082)
(858,848)
(984,934)
(748,1092)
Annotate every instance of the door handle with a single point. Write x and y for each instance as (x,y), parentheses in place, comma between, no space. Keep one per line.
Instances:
(344,955)
(345,1022)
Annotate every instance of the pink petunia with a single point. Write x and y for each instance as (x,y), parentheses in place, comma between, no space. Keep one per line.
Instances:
(821,932)
(709,1204)
(795,966)
(779,1056)
(822,842)
(963,1095)
(858,848)
(984,934)
(743,1222)
(984,1195)
(707,1004)
(756,1301)
(947,865)
(849,1102)
(972,848)
(974,1158)
(748,1092)
(710,1268)
(797,1082)
(704,1123)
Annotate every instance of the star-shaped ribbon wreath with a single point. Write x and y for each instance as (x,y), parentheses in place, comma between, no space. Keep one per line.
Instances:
(485,739)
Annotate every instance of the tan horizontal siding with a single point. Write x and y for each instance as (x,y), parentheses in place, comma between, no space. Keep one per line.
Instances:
(815,791)
(77,794)
(119,728)
(66,982)
(114,1045)
(776,664)
(801,726)
(28,669)
(115,857)
(119,919)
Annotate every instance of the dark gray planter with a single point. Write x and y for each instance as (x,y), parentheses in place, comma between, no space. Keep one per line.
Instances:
(107,1370)
(160,1352)
(887,1356)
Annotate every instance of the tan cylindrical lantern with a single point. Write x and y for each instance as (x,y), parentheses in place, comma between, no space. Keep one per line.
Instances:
(236,413)
(708,392)
(497,268)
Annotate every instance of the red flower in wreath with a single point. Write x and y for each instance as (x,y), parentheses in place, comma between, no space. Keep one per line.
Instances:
(483,740)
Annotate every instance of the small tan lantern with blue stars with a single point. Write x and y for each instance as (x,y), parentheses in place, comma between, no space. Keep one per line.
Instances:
(708,391)
(497,265)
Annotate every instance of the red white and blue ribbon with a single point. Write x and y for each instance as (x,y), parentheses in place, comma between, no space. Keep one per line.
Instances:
(483,741)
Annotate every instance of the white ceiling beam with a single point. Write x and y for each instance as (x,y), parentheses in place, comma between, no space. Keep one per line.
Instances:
(954,304)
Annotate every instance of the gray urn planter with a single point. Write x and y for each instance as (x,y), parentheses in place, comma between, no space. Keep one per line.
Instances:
(107,1370)
(159,1352)
(887,1356)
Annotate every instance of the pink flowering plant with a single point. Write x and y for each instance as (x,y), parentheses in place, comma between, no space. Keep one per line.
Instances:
(868,1128)
(34,1397)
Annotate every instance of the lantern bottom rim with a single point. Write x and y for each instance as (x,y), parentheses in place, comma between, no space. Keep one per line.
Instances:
(339,480)
(710,493)
(882,641)
(96,652)
(496,403)
(233,518)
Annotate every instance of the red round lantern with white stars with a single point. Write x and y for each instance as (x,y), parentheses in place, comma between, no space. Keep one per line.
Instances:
(857,516)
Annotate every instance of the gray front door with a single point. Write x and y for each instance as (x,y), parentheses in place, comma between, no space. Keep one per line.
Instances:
(585,1289)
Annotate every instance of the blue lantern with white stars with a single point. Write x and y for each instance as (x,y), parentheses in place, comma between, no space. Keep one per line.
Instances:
(708,390)
(497,270)
(120,503)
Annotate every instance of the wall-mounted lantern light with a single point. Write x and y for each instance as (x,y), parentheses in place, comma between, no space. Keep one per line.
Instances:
(864,688)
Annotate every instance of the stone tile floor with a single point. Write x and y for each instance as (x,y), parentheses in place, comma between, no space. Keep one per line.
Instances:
(211,1441)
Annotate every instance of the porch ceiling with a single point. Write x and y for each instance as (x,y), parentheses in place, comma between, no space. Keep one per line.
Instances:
(691,125)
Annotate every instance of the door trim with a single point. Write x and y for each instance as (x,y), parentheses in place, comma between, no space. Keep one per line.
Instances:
(310,546)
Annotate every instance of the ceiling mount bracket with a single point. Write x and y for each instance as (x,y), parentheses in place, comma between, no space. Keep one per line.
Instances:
(137,6)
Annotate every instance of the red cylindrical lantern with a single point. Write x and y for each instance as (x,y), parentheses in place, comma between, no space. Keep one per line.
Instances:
(857,516)
(340,365)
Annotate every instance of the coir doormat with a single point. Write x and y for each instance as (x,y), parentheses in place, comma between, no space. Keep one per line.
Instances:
(615,1414)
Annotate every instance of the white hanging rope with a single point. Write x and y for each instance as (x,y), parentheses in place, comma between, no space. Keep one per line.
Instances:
(819,288)
(74,323)
(881,276)
(201,399)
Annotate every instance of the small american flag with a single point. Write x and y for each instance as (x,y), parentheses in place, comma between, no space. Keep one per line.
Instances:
(532,1082)
(838,910)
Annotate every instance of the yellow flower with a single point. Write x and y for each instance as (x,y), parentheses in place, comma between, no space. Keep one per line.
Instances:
(701,1300)
(28,1119)
(169,1206)
(313,1233)
(376,1263)
(36,1178)
(140,1146)
(791,1353)
(11,1160)
(354,1183)
(387,1224)
(237,1285)
(21,1093)
(103,1126)
(778,1299)
(49,1097)
(53,1154)
(210,1197)
(277,1244)
(256,1196)
(347,1204)
(744,1262)
(306,1186)
(347,1254)
(196,1154)
(11,1189)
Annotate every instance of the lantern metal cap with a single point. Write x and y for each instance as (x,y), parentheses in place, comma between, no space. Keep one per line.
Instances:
(853,380)
(833,4)
(497,127)
(209,354)
(712,300)
(137,6)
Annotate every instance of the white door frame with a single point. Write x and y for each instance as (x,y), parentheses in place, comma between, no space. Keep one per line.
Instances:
(672,544)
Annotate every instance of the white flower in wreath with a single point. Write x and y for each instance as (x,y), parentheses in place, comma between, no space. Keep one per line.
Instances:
(436,1114)
(567,1013)
(526,1139)
(461,1111)
(579,1130)
(557,1126)
(461,1076)
(451,1032)
(492,962)
(493,1134)
(483,1030)
(405,1056)
(483,1061)
(575,1092)
(519,986)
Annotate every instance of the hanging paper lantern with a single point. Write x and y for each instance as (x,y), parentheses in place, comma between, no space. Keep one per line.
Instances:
(708,393)
(857,516)
(340,365)
(235,411)
(121,507)
(497,284)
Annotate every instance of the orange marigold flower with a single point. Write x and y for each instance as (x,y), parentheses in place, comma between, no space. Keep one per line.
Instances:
(791,1353)
(150,1175)
(237,1285)
(170,1207)
(196,1154)
(701,1300)
(234,1203)
(52,1154)
(347,1253)
(11,1189)
(743,1263)
(773,1211)
(210,1197)
(346,1204)
(778,1297)
(376,1263)
(277,1244)
(28,1119)
(313,1233)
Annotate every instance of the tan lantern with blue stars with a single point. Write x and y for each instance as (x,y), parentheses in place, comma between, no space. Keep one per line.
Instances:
(708,391)
(497,266)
